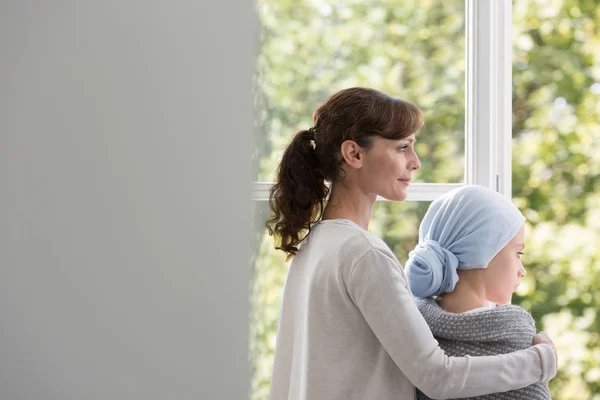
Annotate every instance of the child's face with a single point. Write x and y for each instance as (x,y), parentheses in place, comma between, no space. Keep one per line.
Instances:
(504,272)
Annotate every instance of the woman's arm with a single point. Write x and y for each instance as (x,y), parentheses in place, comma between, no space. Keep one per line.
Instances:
(378,287)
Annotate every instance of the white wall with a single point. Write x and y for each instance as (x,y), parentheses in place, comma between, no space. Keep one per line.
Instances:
(124,198)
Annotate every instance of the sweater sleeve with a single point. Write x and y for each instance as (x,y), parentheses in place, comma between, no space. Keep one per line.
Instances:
(378,287)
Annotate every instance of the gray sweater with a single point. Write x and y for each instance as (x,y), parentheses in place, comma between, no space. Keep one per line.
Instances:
(499,330)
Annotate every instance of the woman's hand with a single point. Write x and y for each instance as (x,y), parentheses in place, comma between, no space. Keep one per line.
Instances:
(542,337)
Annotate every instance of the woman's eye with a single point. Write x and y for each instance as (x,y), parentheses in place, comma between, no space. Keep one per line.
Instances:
(403,148)
(520,254)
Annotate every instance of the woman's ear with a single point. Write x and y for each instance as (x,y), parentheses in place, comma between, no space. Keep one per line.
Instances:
(352,154)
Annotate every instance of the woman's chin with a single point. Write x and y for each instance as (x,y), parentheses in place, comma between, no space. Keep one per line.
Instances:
(396,196)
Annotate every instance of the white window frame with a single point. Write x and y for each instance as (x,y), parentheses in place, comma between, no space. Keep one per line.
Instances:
(488,104)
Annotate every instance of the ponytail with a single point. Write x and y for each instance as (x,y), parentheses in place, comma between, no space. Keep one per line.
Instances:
(297,198)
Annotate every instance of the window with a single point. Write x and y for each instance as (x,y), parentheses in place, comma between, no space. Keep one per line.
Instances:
(450,58)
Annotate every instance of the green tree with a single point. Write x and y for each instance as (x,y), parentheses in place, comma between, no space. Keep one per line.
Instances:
(556,173)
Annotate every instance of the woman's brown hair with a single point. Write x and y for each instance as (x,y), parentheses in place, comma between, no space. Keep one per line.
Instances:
(313,157)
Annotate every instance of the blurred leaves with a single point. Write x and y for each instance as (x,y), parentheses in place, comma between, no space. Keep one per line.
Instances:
(556,177)
(410,49)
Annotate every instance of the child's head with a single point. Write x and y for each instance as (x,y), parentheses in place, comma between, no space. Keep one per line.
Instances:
(467,228)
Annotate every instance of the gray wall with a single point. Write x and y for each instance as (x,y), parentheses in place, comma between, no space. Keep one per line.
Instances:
(124,198)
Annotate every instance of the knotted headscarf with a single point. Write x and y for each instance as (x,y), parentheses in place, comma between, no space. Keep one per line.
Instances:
(463,229)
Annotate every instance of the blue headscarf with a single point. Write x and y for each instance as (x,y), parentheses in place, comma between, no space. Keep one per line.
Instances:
(463,229)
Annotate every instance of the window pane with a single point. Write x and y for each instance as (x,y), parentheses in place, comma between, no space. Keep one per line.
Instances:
(410,49)
(396,223)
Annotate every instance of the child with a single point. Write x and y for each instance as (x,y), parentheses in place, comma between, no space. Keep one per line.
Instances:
(468,256)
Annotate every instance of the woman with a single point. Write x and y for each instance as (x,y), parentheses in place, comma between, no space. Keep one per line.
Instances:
(468,256)
(349,327)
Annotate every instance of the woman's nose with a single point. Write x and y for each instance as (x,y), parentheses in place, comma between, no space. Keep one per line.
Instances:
(416,163)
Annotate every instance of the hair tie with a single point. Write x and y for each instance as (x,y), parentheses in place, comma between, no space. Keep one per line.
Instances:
(311,133)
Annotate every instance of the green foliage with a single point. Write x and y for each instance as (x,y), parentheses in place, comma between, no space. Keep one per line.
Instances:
(556,177)
(411,49)
(415,50)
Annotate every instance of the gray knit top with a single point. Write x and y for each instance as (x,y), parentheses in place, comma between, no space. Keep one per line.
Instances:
(499,330)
